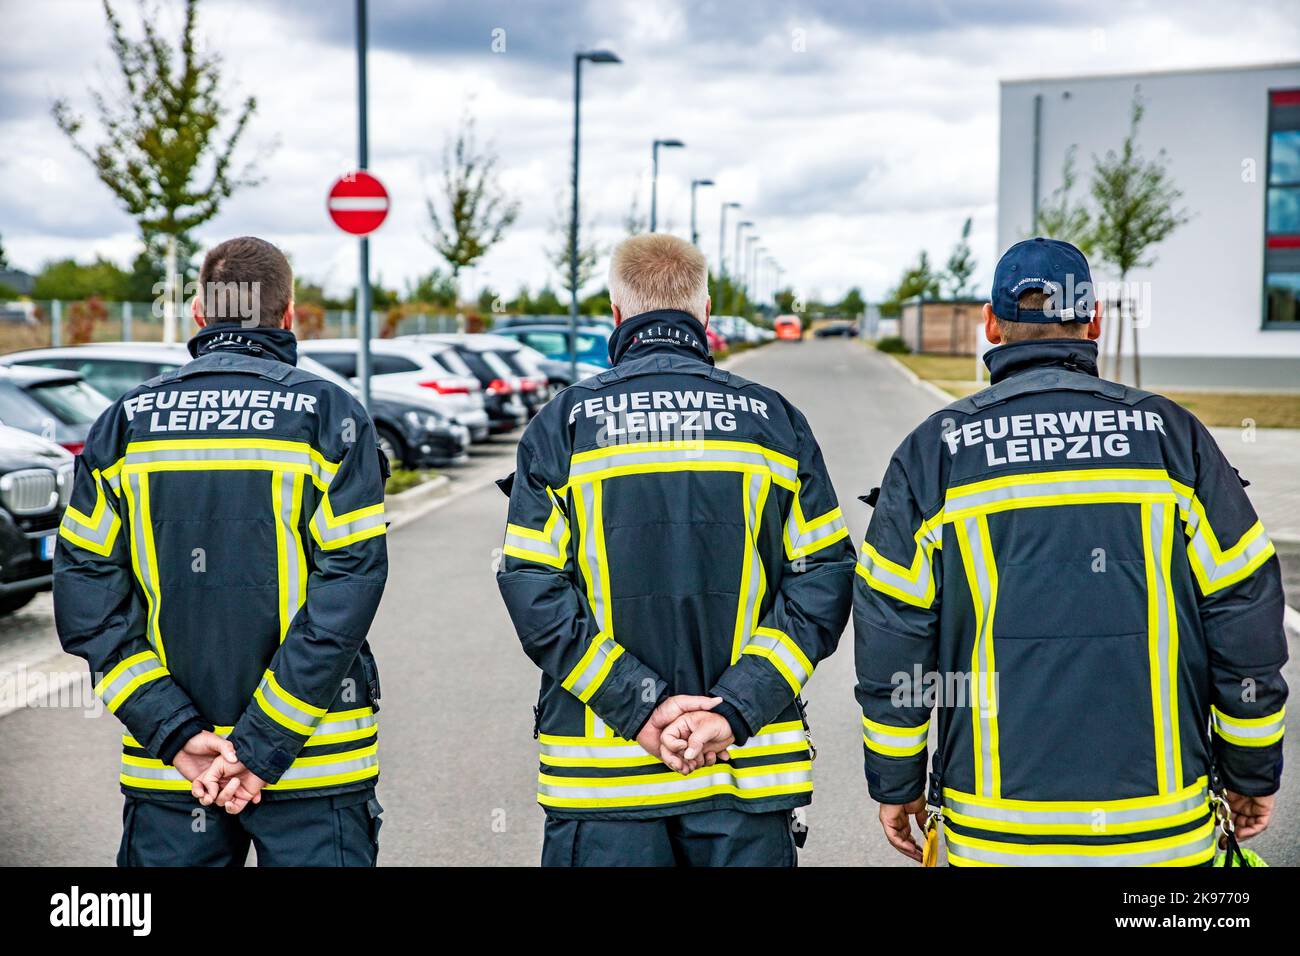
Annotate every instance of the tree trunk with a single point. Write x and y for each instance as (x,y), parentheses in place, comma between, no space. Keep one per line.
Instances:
(169,286)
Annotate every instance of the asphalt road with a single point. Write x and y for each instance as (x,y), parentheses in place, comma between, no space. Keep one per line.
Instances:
(459,761)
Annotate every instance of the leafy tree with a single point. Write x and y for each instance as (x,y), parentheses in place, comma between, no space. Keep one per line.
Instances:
(163,153)
(635,221)
(919,279)
(596,304)
(69,280)
(852,305)
(4,260)
(1136,209)
(472,212)
(434,288)
(1060,217)
(548,303)
(961,265)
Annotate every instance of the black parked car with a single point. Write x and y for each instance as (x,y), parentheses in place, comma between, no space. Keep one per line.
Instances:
(35,482)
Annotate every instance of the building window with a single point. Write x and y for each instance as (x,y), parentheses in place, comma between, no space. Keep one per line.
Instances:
(1282,212)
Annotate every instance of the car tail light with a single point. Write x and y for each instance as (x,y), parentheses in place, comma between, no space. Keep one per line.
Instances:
(499,386)
(73,446)
(442,388)
(528,385)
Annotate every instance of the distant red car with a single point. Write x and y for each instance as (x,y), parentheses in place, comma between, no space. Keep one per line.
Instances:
(717,344)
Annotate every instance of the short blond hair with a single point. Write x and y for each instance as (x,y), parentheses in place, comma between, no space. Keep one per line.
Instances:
(658,271)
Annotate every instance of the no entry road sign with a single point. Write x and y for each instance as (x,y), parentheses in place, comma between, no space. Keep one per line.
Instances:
(358,203)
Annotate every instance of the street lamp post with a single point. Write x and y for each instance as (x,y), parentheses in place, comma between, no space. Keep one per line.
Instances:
(748,265)
(739,263)
(593,56)
(654,176)
(696,184)
(722,251)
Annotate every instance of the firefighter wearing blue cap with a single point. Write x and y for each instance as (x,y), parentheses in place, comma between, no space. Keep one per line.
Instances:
(1066,599)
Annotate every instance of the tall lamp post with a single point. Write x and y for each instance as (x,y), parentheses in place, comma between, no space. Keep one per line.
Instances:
(748,264)
(722,251)
(738,263)
(696,184)
(654,176)
(591,56)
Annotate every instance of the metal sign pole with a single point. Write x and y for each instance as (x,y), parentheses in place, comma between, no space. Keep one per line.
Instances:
(363,279)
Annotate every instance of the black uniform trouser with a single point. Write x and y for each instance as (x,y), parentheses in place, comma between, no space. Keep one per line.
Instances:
(705,838)
(314,831)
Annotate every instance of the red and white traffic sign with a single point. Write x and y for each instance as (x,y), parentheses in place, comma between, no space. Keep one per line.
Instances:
(358,203)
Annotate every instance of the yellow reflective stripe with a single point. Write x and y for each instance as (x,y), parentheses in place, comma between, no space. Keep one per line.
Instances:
(754,488)
(127,677)
(311,772)
(321,469)
(122,666)
(748,783)
(894,741)
(670,456)
(552,540)
(981,578)
(1249,731)
(97,531)
(297,702)
(914,584)
(1195,845)
(795,668)
(144,558)
(831,524)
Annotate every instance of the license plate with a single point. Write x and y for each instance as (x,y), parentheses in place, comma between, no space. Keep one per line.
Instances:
(47,547)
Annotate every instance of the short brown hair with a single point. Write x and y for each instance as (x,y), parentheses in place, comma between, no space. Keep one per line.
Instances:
(1035,300)
(241,274)
(658,271)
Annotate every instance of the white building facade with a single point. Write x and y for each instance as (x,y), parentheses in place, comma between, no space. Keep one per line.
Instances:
(1218,307)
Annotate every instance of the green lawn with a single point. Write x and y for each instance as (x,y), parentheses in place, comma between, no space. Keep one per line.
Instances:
(955,375)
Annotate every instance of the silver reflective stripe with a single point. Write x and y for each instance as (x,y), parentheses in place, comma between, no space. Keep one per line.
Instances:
(97,533)
(138,486)
(128,675)
(337,533)
(586,680)
(285,708)
(595,567)
(798,541)
(918,588)
(345,726)
(774,739)
(288,525)
(907,738)
(745,458)
(774,646)
(312,771)
(721,776)
(278,455)
(1159,516)
(1162,854)
(1214,569)
(960,502)
(628,749)
(985,709)
(553,547)
(1226,724)
(151,773)
(752,569)
(1086,818)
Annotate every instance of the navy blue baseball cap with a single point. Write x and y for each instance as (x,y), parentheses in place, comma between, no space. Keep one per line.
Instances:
(1057,268)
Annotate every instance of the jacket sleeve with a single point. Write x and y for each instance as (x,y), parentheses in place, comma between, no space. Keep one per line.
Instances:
(896,632)
(349,555)
(809,609)
(1239,592)
(101,615)
(565,631)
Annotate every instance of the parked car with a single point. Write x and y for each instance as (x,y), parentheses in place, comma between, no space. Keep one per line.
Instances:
(35,484)
(414,433)
(553,342)
(55,404)
(398,365)
(525,364)
(502,388)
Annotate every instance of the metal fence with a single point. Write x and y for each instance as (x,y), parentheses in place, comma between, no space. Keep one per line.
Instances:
(51,323)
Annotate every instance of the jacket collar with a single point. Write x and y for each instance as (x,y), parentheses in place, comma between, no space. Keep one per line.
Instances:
(662,330)
(278,344)
(1077,355)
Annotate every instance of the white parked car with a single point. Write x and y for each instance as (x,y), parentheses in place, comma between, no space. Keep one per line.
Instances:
(399,366)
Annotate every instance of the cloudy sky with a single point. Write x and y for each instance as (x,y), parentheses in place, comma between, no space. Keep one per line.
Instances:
(854,133)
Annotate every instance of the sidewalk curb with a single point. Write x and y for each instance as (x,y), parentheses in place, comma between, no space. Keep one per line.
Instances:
(405,507)
(915,379)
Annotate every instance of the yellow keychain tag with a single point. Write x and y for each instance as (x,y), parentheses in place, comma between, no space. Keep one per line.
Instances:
(930,854)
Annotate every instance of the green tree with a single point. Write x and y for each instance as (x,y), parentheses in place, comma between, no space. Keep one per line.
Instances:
(852,305)
(1137,207)
(435,287)
(471,212)
(596,304)
(69,280)
(163,153)
(961,265)
(916,280)
(557,250)
(4,260)
(1060,217)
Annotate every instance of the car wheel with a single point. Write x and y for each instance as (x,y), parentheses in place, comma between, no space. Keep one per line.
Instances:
(393,447)
(14,602)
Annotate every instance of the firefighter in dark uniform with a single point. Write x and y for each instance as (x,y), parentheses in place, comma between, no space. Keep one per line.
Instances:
(219,566)
(676,563)
(1082,558)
